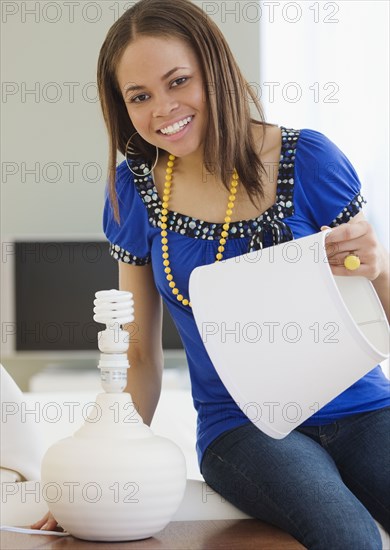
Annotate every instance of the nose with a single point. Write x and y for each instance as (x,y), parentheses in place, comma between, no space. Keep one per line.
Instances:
(164,105)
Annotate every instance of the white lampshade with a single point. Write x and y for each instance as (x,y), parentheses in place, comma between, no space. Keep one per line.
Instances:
(285,335)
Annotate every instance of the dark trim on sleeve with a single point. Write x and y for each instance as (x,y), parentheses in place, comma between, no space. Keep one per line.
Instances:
(123,255)
(353,208)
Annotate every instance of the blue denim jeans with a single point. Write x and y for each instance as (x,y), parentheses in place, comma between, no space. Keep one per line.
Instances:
(322,484)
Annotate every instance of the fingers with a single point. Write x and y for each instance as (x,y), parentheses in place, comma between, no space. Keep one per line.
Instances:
(50,525)
(47,523)
(337,253)
(337,260)
(342,249)
(38,524)
(356,238)
(349,231)
(350,237)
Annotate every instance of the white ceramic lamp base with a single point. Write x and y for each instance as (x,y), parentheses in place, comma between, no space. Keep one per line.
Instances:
(113,480)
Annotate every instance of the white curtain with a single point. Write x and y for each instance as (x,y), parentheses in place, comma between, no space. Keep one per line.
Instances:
(325,66)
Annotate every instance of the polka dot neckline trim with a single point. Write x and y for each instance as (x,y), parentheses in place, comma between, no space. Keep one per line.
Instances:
(196,228)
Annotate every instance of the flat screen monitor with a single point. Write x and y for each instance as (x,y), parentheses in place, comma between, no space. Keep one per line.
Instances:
(55,284)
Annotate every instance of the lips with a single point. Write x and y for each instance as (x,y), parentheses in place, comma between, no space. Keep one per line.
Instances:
(176,127)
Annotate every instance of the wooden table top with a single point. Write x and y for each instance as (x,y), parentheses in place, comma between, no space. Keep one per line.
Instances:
(243,534)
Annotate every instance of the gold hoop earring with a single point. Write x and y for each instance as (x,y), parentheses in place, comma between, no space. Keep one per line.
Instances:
(129,150)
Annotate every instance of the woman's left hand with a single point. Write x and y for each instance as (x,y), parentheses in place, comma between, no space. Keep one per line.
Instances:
(358,238)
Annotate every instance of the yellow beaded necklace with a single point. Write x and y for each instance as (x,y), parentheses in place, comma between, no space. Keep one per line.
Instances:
(163,225)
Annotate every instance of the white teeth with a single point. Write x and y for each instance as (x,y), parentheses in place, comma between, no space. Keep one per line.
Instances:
(170,130)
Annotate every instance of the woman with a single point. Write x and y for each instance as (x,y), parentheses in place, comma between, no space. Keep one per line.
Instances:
(201,182)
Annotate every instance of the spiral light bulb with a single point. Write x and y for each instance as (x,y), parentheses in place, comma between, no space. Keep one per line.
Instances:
(113,308)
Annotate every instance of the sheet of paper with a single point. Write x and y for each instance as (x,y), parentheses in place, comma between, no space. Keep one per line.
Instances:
(33,531)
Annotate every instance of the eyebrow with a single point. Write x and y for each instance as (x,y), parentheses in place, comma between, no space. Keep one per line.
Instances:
(164,77)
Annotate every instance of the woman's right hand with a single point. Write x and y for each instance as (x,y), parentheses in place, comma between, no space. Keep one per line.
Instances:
(47,523)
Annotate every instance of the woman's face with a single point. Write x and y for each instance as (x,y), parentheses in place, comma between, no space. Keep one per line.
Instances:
(163,89)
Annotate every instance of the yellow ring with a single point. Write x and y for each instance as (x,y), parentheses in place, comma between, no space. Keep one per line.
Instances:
(352,262)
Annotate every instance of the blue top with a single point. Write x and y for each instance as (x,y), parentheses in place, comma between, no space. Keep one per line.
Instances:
(317,185)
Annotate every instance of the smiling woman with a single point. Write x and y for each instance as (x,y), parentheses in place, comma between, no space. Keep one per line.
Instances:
(203,181)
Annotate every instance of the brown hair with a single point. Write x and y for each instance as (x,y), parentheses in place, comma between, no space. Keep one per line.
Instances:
(229,143)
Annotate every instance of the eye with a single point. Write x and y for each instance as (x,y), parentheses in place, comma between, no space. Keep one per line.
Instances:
(179,81)
(139,98)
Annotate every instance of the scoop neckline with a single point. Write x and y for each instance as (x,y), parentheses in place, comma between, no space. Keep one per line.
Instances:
(282,208)
(266,213)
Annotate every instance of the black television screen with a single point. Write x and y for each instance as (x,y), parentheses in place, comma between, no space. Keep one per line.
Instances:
(55,285)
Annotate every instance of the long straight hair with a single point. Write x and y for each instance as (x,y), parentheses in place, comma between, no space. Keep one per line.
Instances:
(229,143)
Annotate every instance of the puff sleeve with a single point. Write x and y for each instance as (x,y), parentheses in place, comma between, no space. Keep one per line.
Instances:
(326,184)
(130,239)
